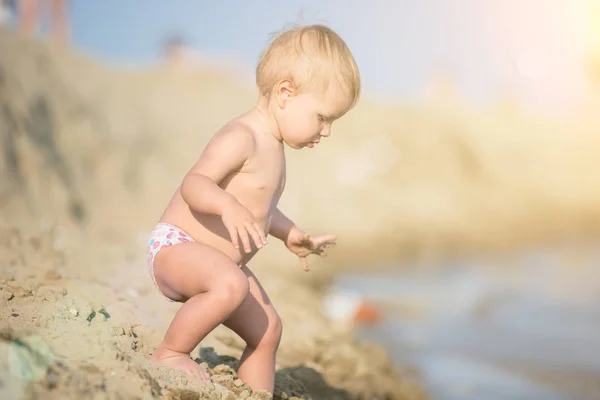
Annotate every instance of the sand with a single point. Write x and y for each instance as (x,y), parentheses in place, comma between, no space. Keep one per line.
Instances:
(86,331)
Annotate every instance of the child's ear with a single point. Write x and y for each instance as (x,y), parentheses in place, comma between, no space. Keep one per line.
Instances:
(283,92)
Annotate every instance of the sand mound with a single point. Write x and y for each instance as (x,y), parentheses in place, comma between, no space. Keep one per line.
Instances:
(70,331)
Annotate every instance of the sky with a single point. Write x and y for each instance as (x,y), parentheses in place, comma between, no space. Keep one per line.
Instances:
(533,48)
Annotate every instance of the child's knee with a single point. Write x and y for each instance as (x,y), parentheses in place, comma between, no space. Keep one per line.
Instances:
(272,336)
(277,329)
(233,288)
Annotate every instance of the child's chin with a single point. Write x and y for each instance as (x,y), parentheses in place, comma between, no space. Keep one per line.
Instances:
(295,146)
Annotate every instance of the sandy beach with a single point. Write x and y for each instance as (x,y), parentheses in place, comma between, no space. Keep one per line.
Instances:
(91,153)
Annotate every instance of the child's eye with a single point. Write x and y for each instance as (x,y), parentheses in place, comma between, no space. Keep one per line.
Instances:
(322,118)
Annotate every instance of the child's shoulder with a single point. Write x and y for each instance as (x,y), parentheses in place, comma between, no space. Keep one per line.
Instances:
(238,127)
(236,133)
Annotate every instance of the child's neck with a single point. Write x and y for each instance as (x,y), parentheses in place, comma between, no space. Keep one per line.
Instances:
(266,117)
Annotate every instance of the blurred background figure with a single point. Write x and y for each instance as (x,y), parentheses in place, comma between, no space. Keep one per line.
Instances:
(35,14)
(178,53)
(173,49)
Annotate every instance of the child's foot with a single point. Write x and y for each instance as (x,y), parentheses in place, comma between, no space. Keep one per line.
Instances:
(180,361)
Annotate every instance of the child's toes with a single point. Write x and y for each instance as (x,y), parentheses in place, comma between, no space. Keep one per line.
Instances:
(200,373)
(205,376)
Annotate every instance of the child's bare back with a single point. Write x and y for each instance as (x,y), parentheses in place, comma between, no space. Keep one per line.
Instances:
(227,204)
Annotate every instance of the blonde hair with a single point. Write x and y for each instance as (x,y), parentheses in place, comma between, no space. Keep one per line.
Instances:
(308,56)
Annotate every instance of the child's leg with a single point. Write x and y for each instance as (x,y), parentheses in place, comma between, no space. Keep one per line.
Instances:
(258,324)
(212,287)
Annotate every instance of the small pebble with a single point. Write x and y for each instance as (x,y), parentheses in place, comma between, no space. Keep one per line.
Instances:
(6,295)
(222,378)
(118,331)
(19,291)
(262,395)
(74,312)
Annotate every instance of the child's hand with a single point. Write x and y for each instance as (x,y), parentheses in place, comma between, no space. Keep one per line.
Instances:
(239,221)
(302,244)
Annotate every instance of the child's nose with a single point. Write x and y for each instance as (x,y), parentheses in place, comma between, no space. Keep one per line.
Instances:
(326,131)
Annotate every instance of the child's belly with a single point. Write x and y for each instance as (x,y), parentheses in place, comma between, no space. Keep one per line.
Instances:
(209,229)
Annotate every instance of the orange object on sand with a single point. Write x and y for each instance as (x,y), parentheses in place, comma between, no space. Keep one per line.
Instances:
(367,314)
(351,307)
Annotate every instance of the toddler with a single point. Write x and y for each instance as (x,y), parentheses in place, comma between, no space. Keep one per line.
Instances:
(226,205)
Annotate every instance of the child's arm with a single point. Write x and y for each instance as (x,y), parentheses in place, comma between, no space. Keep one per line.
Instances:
(281,225)
(225,154)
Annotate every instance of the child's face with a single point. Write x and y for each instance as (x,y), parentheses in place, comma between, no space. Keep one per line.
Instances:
(307,117)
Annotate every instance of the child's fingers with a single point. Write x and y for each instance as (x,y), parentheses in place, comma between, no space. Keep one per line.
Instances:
(327,239)
(304,263)
(234,237)
(254,232)
(245,240)
(305,239)
(261,233)
(324,241)
(320,252)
